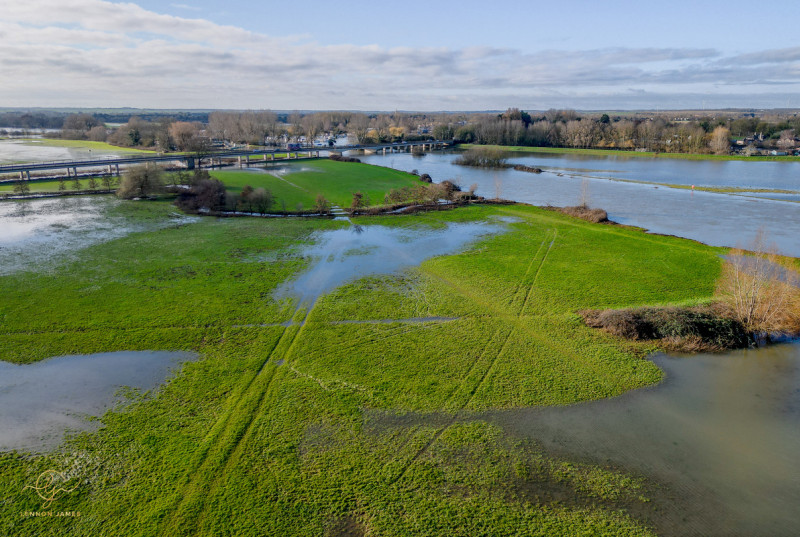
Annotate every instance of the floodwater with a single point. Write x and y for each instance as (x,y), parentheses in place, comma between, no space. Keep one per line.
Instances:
(722,432)
(713,218)
(42,400)
(37,231)
(346,254)
(32,150)
(713,173)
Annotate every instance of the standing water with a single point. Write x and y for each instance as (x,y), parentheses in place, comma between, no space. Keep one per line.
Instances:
(41,400)
(722,432)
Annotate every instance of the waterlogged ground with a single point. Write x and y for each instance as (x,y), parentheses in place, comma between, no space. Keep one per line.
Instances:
(36,233)
(41,150)
(40,401)
(275,425)
(713,218)
(722,432)
(347,254)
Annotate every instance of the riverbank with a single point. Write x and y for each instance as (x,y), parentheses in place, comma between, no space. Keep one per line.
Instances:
(630,154)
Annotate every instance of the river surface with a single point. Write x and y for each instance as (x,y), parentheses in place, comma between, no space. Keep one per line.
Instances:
(713,218)
(42,400)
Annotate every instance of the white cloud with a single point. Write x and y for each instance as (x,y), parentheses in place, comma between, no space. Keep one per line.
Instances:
(98,53)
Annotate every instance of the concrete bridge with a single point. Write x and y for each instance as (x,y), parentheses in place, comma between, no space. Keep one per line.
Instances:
(242,157)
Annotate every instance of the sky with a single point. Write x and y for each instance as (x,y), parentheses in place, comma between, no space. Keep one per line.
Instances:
(406,55)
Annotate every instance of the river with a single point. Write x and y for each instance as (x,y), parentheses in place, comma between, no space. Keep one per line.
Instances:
(625,188)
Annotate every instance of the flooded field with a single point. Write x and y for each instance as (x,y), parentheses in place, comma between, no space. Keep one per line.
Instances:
(722,432)
(41,401)
(36,232)
(350,253)
(712,218)
(32,150)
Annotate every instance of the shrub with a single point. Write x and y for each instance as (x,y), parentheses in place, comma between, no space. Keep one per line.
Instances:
(208,194)
(760,292)
(484,157)
(700,328)
(140,181)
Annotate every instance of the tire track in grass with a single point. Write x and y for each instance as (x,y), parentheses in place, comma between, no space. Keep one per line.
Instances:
(536,276)
(223,444)
(521,281)
(505,339)
(438,433)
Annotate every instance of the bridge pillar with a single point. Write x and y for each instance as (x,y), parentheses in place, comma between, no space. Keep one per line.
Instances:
(317,154)
(75,169)
(247,158)
(189,163)
(117,165)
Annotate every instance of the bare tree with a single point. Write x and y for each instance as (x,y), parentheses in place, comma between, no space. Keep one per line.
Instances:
(183,134)
(359,126)
(22,187)
(322,205)
(759,291)
(720,141)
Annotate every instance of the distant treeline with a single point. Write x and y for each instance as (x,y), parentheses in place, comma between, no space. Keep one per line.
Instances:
(660,133)
(673,132)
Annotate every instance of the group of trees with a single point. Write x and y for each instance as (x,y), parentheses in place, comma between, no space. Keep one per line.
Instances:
(567,128)
(661,132)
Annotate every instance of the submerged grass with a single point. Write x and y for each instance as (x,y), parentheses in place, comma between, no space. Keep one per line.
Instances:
(83,144)
(318,428)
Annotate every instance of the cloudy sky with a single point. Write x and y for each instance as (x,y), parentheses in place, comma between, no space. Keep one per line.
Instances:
(406,55)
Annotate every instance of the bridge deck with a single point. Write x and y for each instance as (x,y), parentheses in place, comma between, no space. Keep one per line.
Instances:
(170,157)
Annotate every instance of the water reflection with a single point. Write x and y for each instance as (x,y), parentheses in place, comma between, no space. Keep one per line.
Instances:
(712,218)
(41,400)
(35,232)
(350,253)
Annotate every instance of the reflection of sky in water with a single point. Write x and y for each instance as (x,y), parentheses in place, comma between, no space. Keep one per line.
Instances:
(34,232)
(42,399)
(33,151)
(722,431)
(717,219)
(347,254)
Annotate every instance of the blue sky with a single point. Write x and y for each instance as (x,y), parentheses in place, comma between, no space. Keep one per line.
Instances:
(407,55)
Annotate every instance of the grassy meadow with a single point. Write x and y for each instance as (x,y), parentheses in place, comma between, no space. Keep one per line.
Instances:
(335,180)
(317,427)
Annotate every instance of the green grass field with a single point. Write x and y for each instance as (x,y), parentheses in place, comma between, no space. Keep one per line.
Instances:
(631,154)
(322,428)
(335,180)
